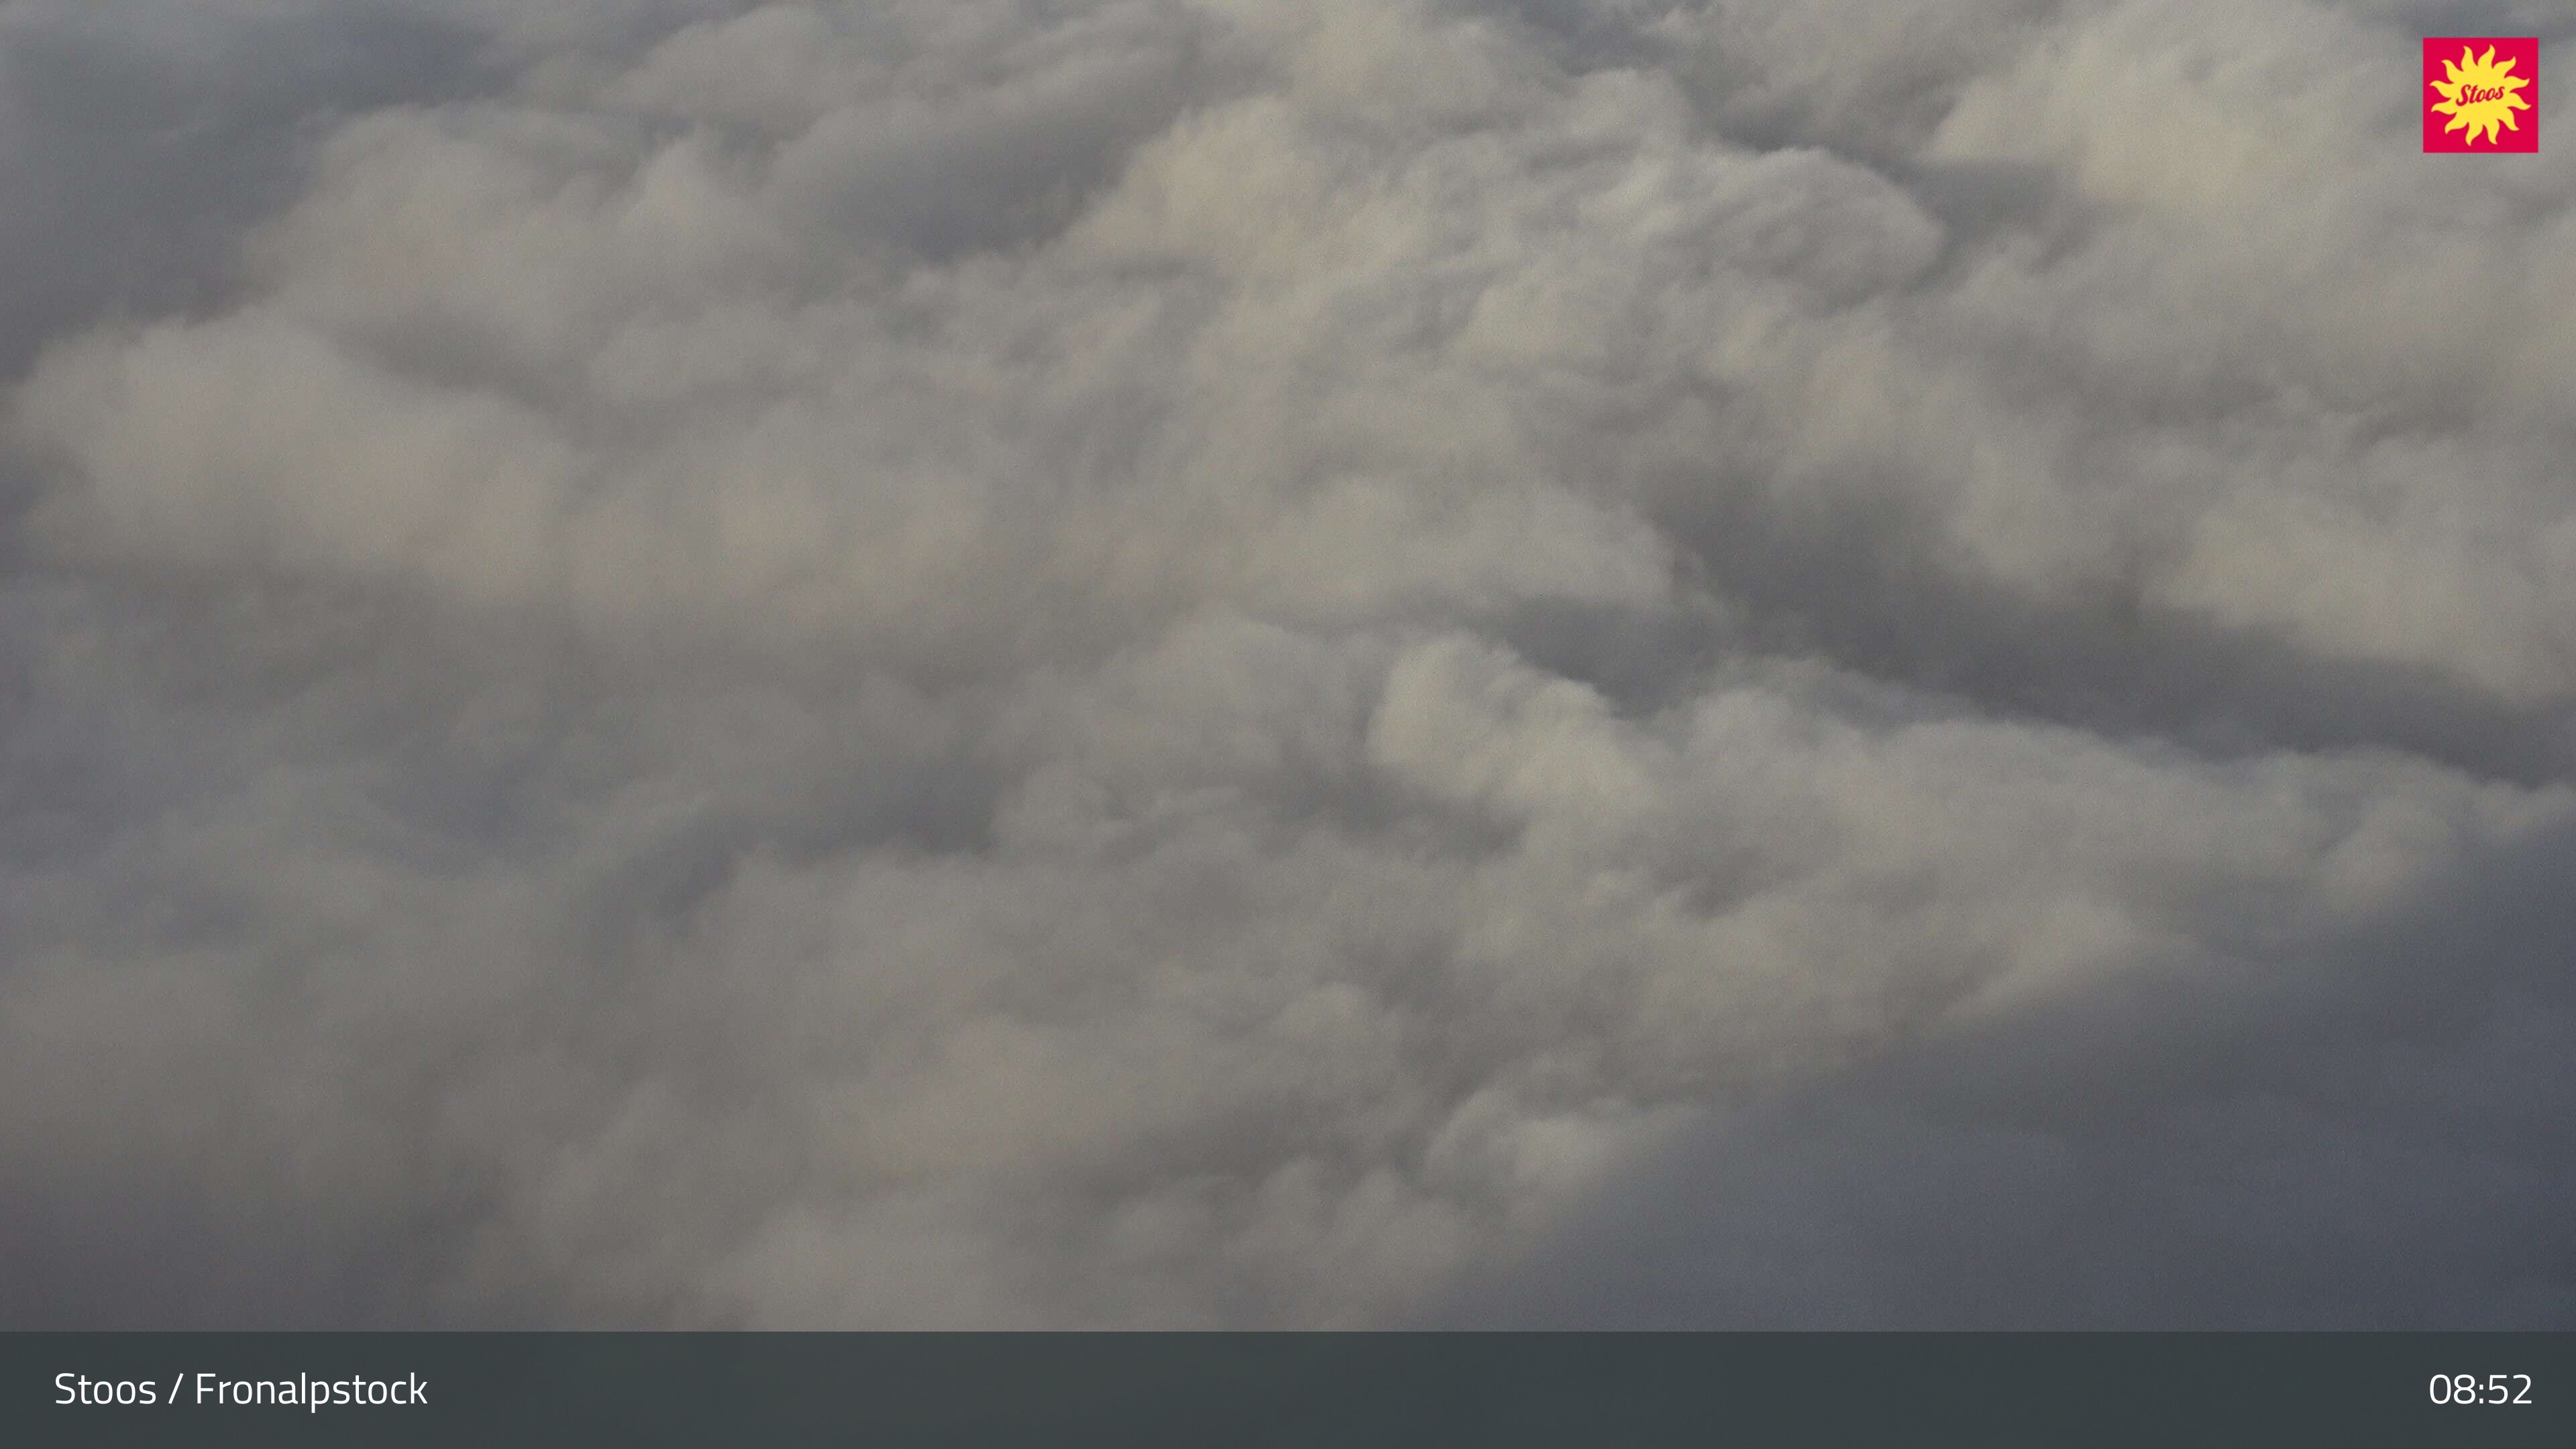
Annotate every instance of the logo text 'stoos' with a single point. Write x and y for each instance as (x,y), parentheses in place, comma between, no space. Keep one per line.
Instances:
(2481,93)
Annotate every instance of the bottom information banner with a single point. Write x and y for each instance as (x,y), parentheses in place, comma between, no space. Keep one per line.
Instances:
(1339,1390)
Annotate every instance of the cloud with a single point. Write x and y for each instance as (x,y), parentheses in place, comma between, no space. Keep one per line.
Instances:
(2339,1136)
(1188,663)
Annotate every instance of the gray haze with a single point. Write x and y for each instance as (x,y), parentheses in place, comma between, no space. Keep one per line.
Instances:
(1281,662)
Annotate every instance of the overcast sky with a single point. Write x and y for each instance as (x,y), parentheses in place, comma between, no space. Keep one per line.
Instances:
(934,663)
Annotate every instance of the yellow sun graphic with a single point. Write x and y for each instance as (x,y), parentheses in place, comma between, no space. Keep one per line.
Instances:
(2480,95)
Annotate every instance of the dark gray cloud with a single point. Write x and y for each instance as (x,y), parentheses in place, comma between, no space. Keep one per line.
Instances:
(1196,663)
(2357,1135)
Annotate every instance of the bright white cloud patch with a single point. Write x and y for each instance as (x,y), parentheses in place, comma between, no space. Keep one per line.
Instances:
(1198,663)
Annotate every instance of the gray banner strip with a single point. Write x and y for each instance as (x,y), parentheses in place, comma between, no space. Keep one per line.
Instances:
(1343,1391)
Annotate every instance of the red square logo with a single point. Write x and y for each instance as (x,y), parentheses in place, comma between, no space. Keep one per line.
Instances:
(2481,93)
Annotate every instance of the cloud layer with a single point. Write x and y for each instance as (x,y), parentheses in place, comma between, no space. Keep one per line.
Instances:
(1203,663)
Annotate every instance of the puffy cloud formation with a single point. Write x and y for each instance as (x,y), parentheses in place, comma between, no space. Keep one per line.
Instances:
(1193,662)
